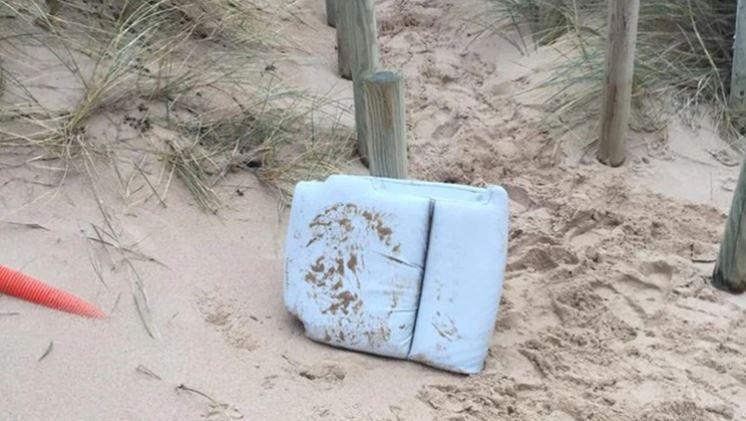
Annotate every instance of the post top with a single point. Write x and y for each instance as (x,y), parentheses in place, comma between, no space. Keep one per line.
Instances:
(382,76)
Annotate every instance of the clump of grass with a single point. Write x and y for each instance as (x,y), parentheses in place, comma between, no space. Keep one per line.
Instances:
(118,51)
(190,68)
(682,63)
(280,144)
(197,59)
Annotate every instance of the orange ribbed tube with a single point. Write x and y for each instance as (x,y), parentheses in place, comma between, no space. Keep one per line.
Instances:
(33,290)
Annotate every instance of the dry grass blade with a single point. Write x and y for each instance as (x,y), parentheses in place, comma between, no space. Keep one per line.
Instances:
(218,411)
(150,184)
(47,352)
(192,172)
(114,244)
(96,268)
(146,371)
(142,303)
(31,226)
(116,304)
(187,57)
(183,387)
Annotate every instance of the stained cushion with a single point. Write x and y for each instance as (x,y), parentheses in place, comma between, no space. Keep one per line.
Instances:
(403,269)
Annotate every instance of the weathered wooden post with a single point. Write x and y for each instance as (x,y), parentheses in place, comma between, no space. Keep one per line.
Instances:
(357,37)
(620,62)
(331,13)
(730,269)
(2,78)
(383,99)
(738,71)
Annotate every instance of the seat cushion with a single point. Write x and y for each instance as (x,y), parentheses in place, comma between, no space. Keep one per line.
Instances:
(404,269)
(463,283)
(354,264)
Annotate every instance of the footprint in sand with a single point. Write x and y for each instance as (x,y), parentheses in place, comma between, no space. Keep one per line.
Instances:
(543,258)
(644,290)
(589,304)
(678,410)
(227,318)
(328,372)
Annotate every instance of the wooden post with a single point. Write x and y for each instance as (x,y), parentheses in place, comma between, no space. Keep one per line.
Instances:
(331,13)
(730,269)
(361,123)
(383,97)
(357,37)
(738,71)
(2,78)
(620,63)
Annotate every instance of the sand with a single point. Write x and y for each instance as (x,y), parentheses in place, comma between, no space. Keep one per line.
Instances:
(607,313)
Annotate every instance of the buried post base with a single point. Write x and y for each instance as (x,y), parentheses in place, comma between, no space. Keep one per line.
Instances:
(612,162)
(730,269)
(735,286)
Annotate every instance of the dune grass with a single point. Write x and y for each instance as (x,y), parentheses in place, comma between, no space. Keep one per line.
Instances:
(185,80)
(196,61)
(682,64)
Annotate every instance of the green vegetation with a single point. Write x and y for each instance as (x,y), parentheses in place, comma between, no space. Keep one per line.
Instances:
(682,64)
(187,75)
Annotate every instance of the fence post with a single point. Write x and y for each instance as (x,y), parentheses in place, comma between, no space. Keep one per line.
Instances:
(730,269)
(382,94)
(357,37)
(331,13)
(738,72)
(618,74)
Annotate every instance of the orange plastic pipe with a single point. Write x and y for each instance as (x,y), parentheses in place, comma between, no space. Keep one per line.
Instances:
(33,290)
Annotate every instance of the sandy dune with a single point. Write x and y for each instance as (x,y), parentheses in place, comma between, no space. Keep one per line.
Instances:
(607,312)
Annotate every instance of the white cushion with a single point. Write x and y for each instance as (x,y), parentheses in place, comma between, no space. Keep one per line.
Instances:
(356,275)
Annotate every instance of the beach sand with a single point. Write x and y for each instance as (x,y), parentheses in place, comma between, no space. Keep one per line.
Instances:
(607,313)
